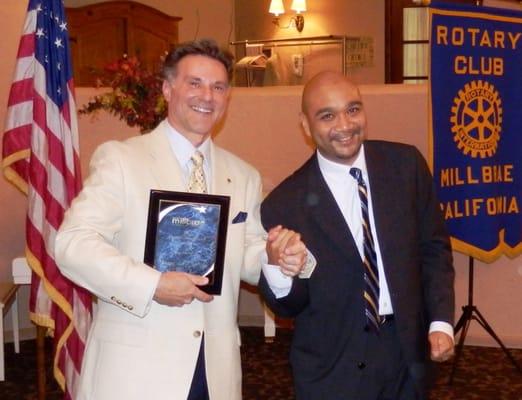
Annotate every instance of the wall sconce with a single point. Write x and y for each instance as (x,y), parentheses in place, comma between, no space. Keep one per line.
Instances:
(299,6)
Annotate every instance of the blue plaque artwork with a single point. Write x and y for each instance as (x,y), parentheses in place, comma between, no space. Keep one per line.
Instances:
(186,238)
(186,232)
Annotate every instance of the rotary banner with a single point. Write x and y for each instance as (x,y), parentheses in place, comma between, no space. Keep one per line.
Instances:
(476,126)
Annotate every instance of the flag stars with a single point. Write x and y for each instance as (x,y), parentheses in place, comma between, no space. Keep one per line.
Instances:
(39,33)
(39,7)
(59,66)
(63,26)
(58,43)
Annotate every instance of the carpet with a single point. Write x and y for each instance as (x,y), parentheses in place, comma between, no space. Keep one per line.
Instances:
(482,373)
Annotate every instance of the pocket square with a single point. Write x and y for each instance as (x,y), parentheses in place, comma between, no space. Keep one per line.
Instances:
(240,217)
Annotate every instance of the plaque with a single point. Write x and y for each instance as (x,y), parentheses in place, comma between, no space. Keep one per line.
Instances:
(186,232)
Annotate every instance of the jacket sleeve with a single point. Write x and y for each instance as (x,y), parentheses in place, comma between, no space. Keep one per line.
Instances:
(255,243)
(86,245)
(437,262)
(275,211)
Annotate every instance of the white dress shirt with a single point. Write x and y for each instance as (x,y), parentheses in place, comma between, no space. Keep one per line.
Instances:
(183,149)
(345,191)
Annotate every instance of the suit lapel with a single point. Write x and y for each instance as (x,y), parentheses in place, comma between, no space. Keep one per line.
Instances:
(168,172)
(164,165)
(382,187)
(326,213)
(222,182)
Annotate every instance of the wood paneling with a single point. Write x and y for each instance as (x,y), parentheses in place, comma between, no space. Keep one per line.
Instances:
(102,33)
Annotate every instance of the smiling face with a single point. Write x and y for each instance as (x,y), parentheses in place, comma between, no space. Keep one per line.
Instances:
(333,115)
(197,95)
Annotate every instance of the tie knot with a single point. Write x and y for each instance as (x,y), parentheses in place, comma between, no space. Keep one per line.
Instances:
(197,158)
(357,174)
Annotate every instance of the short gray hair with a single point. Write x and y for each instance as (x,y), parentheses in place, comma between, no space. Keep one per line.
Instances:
(203,47)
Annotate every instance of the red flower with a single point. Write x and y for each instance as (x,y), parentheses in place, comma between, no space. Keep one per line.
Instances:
(136,96)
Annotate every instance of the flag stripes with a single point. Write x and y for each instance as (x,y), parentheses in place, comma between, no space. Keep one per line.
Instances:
(41,157)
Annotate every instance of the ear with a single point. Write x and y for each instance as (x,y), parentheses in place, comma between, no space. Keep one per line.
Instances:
(304,124)
(166,88)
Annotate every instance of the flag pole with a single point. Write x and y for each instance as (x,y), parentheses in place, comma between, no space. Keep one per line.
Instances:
(40,361)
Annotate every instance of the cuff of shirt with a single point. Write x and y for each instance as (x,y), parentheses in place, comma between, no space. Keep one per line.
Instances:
(279,283)
(442,326)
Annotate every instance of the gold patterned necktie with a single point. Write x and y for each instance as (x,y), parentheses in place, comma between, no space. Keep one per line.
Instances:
(197,182)
(371,273)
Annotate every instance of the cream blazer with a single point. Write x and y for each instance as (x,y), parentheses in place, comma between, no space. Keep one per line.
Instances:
(137,348)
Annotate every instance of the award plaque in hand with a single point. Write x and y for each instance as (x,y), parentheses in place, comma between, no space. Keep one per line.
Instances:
(186,232)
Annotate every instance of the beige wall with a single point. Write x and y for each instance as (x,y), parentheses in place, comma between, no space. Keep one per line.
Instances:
(12,13)
(261,126)
(346,17)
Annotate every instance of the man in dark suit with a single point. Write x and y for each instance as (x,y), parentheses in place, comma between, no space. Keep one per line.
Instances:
(380,301)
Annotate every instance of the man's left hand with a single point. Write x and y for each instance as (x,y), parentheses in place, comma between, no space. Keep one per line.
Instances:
(442,347)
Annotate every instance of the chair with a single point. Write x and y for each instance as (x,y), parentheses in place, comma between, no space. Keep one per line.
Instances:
(22,276)
(8,300)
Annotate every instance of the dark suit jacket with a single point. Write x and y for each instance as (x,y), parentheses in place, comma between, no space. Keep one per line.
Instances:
(329,337)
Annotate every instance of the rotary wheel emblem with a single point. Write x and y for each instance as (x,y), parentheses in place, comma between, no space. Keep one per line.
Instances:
(476,118)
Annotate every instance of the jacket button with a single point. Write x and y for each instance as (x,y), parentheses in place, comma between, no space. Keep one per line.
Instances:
(361,365)
(130,308)
(196,334)
(113,298)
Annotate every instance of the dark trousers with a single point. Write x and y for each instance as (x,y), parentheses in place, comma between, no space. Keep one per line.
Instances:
(199,388)
(387,376)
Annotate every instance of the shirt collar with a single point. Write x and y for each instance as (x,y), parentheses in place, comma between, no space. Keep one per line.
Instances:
(183,149)
(334,168)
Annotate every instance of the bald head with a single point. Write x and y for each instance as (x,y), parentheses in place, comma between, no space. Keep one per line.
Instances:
(333,116)
(323,81)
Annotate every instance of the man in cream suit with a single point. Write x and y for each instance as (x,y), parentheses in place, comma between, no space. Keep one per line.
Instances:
(155,335)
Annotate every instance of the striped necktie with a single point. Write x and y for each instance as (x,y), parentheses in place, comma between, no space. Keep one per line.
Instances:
(371,274)
(197,182)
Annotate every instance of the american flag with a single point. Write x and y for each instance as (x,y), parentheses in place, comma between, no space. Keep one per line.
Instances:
(41,157)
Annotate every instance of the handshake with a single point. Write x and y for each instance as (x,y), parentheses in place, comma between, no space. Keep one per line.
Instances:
(285,248)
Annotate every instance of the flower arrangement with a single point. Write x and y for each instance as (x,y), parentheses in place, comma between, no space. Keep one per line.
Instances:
(136,95)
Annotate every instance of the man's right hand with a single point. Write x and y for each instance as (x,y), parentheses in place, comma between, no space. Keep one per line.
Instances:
(179,288)
(285,248)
